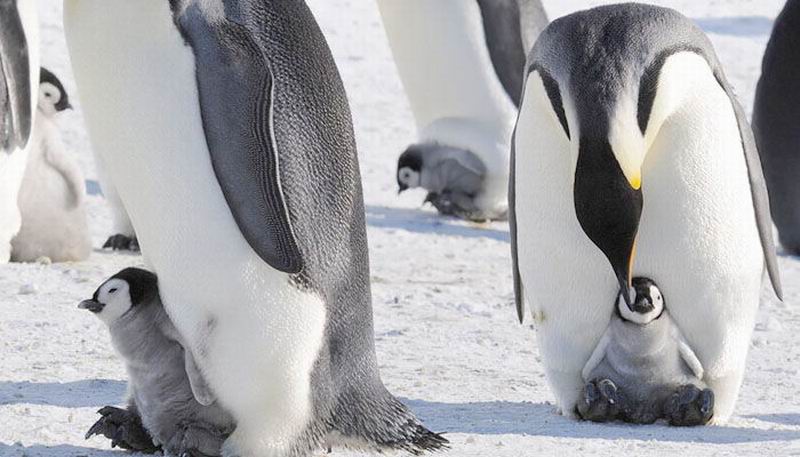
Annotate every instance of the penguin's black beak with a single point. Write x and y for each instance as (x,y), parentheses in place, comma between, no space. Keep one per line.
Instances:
(15,87)
(608,207)
(92,305)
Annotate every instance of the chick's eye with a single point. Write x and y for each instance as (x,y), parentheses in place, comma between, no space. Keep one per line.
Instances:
(112,290)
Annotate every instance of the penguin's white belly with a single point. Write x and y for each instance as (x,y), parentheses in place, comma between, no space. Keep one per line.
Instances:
(12,169)
(255,336)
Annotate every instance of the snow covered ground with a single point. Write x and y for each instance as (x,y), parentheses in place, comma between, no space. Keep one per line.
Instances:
(446,330)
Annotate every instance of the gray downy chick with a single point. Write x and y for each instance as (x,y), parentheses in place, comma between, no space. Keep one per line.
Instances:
(643,369)
(453,177)
(170,406)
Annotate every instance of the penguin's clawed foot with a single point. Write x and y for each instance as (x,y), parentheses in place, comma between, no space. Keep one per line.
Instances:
(120,242)
(125,430)
(689,406)
(456,205)
(195,441)
(601,401)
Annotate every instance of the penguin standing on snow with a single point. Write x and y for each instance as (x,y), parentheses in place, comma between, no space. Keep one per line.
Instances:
(775,114)
(19,77)
(169,403)
(642,369)
(51,199)
(238,166)
(633,156)
(462,63)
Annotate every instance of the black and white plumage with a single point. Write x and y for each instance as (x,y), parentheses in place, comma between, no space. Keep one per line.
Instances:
(775,114)
(643,369)
(246,198)
(462,65)
(19,77)
(170,406)
(629,136)
(51,197)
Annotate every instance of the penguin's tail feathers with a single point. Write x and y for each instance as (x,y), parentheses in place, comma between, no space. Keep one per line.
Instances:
(384,422)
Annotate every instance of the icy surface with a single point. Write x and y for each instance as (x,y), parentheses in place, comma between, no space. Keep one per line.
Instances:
(447,336)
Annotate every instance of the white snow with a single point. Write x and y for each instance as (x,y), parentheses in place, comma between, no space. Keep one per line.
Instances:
(447,336)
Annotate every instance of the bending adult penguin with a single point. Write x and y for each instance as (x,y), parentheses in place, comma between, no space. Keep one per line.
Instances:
(238,166)
(19,78)
(775,114)
(462,64)
(632,152)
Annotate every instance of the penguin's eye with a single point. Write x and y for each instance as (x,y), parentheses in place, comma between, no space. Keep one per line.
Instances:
(112,290)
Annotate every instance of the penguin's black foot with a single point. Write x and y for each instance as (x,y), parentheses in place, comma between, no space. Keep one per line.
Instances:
(456,205)
(196,441)
(601,401)
(125,430)
(689,406)
(120,242)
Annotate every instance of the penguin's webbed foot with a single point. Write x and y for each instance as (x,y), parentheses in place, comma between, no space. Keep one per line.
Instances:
(125,430)
(120,242)
(689,406)
(197,441)
(601,401)
(456,205)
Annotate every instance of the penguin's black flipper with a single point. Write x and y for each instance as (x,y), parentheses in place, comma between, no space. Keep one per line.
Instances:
(15,84)
(235,85)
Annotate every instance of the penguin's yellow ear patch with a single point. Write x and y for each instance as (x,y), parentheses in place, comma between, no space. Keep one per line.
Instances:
(636,181)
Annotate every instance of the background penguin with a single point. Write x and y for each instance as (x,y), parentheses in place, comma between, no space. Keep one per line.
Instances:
(643,366)
(263,269)
(170,404)
(462,64)
(51,199)
(629,136)
(775,114)
(19,77)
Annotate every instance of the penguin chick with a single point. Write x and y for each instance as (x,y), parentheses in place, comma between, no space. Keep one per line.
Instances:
(51,198)
(169,403)
(453,177)
(643,370)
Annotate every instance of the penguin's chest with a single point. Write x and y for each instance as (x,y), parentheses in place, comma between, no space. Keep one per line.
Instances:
(244,320)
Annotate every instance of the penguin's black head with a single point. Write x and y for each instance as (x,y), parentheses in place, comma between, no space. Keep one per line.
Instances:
(647,304)
(123,292)
(52,94)
(409,168)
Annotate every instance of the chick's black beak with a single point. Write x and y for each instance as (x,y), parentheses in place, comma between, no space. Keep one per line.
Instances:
(608,208)
(91,305)
(402,188)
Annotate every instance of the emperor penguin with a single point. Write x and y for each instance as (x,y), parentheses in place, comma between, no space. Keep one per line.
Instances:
(51,198)
(462,63)
(643,369)
(225,127)
(632,155)
(19,78)
(775,114)
(169,403)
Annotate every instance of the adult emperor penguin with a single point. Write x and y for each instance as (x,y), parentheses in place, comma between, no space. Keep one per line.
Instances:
(632,152)
(461,64)
(238,166)
(19,78)
(775,114)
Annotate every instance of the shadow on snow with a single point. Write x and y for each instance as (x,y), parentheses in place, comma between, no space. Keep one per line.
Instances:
(78,394)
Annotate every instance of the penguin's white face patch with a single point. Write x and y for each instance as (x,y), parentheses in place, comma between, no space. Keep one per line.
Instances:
(115,295)
(408,177)
(654,294)
(49,96)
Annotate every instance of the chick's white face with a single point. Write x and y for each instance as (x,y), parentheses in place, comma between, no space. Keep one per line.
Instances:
(49,96)
(408,177)
(642,316)
(115,298)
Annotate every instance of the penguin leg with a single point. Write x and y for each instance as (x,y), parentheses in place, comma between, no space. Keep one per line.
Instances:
(124,428)
(120,242)
(689,406)
(196,441)
(601,401)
